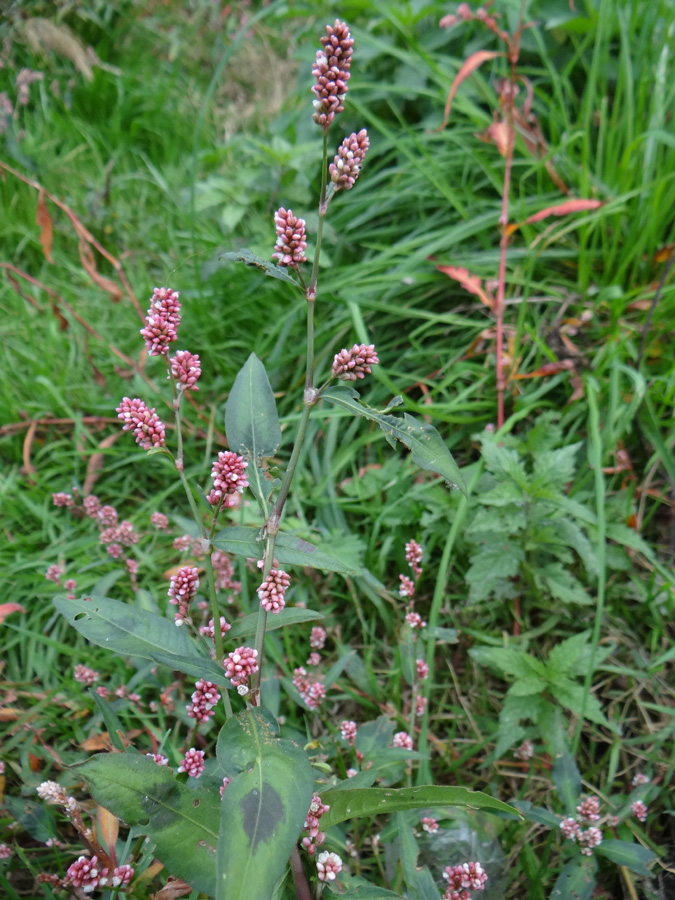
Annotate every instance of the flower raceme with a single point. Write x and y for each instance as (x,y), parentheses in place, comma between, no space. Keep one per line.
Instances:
(161,321)
(148,429)
(345,168)
(331,71)
(291,241)
(349,365)
(271,592)
(229,476)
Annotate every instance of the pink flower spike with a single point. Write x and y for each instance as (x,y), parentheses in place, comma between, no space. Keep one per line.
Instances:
(639,810)
(589,809)
(209,630)
(355,363)
(161,321)
(85,873)
(402,739)
(240,664)
(62,499)
(407,586)
(640,779)
(570,829)
(429,825)
(186,369)
(589,839)
(422,670)
(415,620)
(91,505)
(223,786)
(413,554)
(54,573)
(192,763)
(314,659)
(148,429)
(525,751)
(328,866)
(317,638)
(331,71)
(348,731)
(420,705)
(160,521)
(85,675)
(229,473)
(204,699)
(291,240)
(121,876)
(158,758)
(345,168)
(273,590)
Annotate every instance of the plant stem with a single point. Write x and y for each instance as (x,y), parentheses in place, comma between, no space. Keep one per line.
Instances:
(299,877)
(309,400)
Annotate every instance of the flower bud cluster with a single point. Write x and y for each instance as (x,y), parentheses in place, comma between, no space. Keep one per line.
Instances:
(204,699)
(182,589)
(240,665)
(312,692)
(331,71)
(186,369)
(349,365)
(345,168)
(462,878)
(273,590)
(317,638)
(85,675)
(192,763)
(162,321)
(328,866)
(229,476)
(315,837)
(348,731)
(525,751)
(403,739)
(291,239)
(148,429)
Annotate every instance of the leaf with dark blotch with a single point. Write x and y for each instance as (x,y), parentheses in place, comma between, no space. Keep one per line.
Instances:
(268,268)
(264,806)
(293,551)
(182,823)
(427,446)
(375,801)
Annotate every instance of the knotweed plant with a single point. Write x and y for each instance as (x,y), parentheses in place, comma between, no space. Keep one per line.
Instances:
(235,817)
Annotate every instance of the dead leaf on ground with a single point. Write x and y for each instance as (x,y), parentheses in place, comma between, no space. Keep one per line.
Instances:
(107,829)
(44,220)
(89,265)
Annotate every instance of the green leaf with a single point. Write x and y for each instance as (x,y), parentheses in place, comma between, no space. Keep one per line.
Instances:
(567,779)
(571,696)
(252,424)
(510,661)
(408,650)
(289,550)
(576,881)
(182,823)
(562,585)
(624,853)
(564,655)
(537,813)
(268,268)
(420,883)
(130,631)
(289,616)
(346,804)
(427,446)
(352,887)
(264,805)
(336,669)
(112,723)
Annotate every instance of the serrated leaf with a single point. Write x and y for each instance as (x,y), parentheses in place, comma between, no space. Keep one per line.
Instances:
(624,853)
(252,424)
(576,881)
(268,268)
(264,805)
(555,467)
(571,696)
(289,550)
(289,616)
(182,823)
(427,446)
(346,804)
(563,657)
(510,661)
(563,586)
(130,631)
(492,566)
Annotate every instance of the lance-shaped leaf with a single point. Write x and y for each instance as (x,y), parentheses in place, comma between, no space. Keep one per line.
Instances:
(293,551)
(576,881)
(419,881)
(624,853)
(289,616)
(131,631)
(268,268)
(376,801)
(264,805)
(252,424)
(182,823)
(427,446)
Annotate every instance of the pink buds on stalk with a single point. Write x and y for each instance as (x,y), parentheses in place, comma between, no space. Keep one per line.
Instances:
(229,476)
(331,70)
(273,589)
(240,664)
(291,241)
(355,363)
(186,369)
(161,321)
(148,429)
(345,168)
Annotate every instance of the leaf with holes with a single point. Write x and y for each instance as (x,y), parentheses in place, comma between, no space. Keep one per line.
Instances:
(264,806)
(181,823)
(252,424)
(376,801)
(427,446)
